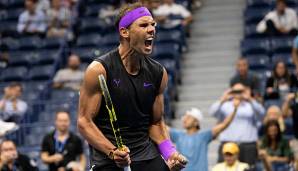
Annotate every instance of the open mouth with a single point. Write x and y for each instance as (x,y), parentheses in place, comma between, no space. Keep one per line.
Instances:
(149,42)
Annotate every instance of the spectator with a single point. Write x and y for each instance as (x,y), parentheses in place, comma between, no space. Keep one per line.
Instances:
(71,77)
(273,113)
(171,14)
(280,83)
(7,127)
(230,152)
(281,21)
(151,4)
(108,13)
(295,53)
(32,21)
(244,128)
(59,19)
(245,77)
(11,160)
(290,109)
(12,108)
(61,148)
(274,149)
(43,5)
(193,143)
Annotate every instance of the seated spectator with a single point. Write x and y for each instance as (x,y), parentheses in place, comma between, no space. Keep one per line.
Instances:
(230,153)
(281,21)
(290,109)
(245,77)
(193,143)
(12,160)
(43,5)
(280,83)
(109,13)
(244,128)
(32,21)
(71,77)
(7,127)
(59,19)
(274,149)
(12,108)
(151,4)
(61,148)
(171,14)
(295,53)
(273,113)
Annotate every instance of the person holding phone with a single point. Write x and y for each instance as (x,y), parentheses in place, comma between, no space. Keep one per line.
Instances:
(244,128)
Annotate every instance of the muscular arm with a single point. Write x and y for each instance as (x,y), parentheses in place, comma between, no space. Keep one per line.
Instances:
(295,57)
(89,104)
(158,130)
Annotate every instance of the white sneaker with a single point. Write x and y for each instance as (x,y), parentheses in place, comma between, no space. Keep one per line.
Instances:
(7,127)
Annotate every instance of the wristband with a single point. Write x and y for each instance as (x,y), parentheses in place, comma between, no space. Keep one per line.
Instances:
(166,149)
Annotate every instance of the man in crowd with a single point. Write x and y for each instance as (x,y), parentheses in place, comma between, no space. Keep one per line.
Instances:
(32,21)
(245,77)
(12,108)
(70,77)
(192,142)
(12,160)
(244,128)
(281,21)
(231,162)
(62,149)
(290,109)
(171,14)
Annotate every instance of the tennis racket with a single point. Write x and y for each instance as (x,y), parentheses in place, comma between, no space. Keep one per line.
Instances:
(112,115)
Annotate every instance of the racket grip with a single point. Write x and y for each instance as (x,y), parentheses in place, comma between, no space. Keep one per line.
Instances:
(127,168)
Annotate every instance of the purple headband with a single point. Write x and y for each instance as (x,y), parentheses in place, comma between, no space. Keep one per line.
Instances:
(132,16)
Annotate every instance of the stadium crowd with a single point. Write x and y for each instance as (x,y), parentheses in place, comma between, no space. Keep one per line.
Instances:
(257,116)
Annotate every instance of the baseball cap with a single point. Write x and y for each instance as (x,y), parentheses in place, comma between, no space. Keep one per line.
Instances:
(230,148)
(196,113)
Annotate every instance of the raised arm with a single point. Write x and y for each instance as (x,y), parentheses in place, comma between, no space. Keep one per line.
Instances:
(89,105)
(227,121)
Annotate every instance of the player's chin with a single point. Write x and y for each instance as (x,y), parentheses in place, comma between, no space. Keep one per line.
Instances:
(147,51)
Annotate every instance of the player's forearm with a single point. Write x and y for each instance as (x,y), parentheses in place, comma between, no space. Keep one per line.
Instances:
(295,57)
(94,136)
(158,132)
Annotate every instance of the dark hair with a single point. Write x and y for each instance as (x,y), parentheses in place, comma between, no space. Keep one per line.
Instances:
(281,1)
(33,1)
(125,9)
(267,140)
(286,75)
(62,111)
(16,84)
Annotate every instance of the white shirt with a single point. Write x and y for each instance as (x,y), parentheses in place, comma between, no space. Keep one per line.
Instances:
(244,127)
(173,9)
(9,111)
(37,21)
(70,78)
(287,21)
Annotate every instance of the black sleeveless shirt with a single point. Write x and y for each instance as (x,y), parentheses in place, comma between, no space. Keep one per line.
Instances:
(133,97)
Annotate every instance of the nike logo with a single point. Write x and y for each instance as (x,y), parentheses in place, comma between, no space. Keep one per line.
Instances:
(147,85)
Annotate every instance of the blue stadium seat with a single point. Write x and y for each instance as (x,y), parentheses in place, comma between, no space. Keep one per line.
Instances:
(45,57)
(170,66)
(41,72)
(35,86)
(87,54)
(52,43)
(8,28)
(166,51)
(93,10)
(258,3)
(14,4)
(111,39)
(89,40)
(251,32)
(11,43)
(285,57)
(64,95)
(255,46)
(20,58)
(94,24)
(258,62)
(281,45)
(255,15)
(30,43)
(13,14)
(14,74)
(169,37)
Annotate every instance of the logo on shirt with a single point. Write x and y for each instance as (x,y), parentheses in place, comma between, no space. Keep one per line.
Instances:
(116,82)
(146,84)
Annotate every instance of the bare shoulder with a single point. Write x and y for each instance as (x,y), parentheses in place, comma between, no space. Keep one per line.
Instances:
(91,75)
(95,68)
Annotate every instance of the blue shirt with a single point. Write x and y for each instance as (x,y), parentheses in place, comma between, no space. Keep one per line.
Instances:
(244,127)
(194,147)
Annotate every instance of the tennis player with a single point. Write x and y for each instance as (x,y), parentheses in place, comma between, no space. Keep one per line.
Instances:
(136,84)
